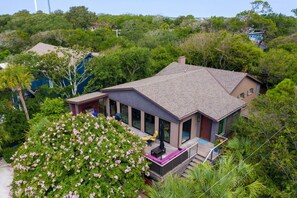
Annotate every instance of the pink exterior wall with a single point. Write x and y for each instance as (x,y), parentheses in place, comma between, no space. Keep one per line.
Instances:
(244,88)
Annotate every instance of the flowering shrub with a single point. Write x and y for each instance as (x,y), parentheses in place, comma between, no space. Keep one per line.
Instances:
(80,156)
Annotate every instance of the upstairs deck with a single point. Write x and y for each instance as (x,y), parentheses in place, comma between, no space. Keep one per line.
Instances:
(176,159)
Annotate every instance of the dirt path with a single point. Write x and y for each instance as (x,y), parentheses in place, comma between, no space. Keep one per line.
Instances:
(6,176)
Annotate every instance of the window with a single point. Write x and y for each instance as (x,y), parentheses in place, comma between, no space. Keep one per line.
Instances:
(186,133)
(113,107)
(241,95)
(221,127)
(124,112)
(149,124)
(166,130)
(250,91)
(136,118)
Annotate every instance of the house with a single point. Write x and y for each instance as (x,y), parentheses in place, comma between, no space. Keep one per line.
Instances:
(43,48)
(191,101)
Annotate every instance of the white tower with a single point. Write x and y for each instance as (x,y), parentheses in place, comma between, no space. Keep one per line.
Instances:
(35,3)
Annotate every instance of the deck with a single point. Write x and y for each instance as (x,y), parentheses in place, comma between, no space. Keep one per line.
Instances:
(203,146)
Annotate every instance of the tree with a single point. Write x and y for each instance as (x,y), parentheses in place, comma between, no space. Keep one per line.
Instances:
(121,66)
(294,11)
(276,65)
(226,179)
(80,17)
(271,127)
(66,69)
(221,50)
(16,77)
(80,156)
(262,7)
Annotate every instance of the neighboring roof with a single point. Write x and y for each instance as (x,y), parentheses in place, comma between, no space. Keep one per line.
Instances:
(43,48)
(86,98)
(183,90)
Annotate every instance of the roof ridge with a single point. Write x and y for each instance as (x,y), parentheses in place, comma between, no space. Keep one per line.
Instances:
(206,68)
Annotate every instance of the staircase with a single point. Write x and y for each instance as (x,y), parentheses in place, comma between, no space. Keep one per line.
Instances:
(198,159)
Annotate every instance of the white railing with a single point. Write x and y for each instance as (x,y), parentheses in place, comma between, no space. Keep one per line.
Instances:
(191,148)
(210,154)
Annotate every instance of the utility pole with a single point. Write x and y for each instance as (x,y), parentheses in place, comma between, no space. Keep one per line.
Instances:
(117,31)
(49,6)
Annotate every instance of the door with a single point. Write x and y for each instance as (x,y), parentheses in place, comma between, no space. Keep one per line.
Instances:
(205,129)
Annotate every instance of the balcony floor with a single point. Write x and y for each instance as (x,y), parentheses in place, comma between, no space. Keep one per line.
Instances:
(203,146)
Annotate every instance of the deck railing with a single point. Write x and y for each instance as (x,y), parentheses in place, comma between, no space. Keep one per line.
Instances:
(164,168)
(215,152)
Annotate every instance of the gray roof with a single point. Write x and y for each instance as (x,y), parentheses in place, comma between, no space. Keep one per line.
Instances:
(43,48)
(227,79)
(183,90)
(86,98)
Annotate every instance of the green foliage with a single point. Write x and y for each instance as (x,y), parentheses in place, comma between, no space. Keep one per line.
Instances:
(80,17)
(8,152)
(13,128)
(51,109)
(273,117)
(278,64)
(84,156)
(221,50)
(4,54)
(173,186)
(118,67)
(225,179)
(16,78)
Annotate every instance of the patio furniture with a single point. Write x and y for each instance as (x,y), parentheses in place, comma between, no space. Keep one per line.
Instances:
(150,139)
(157,152)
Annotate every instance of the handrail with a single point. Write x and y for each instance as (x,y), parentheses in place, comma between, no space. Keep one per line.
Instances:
(211,151)
(188,149)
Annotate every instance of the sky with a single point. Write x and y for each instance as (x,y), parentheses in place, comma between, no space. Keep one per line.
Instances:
(170,8)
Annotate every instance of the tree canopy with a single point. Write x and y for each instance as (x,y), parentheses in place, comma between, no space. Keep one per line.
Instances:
(83,156)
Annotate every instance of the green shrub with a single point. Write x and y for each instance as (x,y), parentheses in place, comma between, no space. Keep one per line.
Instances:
(8,152)
(83,156)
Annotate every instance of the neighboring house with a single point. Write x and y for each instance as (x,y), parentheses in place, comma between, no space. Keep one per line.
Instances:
(42,48)
(191,101)
(257,37)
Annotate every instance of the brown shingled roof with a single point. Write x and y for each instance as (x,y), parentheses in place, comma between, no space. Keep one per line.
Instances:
(184,89)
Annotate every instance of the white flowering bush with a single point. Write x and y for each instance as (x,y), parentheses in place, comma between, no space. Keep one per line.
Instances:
(80,156)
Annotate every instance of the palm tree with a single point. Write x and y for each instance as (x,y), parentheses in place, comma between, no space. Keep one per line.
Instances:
(16,77)
(227,178)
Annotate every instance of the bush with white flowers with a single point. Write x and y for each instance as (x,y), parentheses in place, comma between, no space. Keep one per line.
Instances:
(80,156)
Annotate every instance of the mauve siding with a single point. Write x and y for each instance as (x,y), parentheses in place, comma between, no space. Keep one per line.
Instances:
(135,100)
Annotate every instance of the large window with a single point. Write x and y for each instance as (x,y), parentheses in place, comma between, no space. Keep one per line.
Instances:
(186,134)
(113,107)
(124,112)
(166,129)
(149,124)
(136,118)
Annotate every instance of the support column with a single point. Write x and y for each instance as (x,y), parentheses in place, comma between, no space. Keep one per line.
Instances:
(142,120)
(129,115)
(118,107)
(107,107)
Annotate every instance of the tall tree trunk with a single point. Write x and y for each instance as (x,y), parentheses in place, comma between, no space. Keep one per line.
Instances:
(23,103)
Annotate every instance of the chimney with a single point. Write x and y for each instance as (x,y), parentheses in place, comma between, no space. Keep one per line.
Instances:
(182,60)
